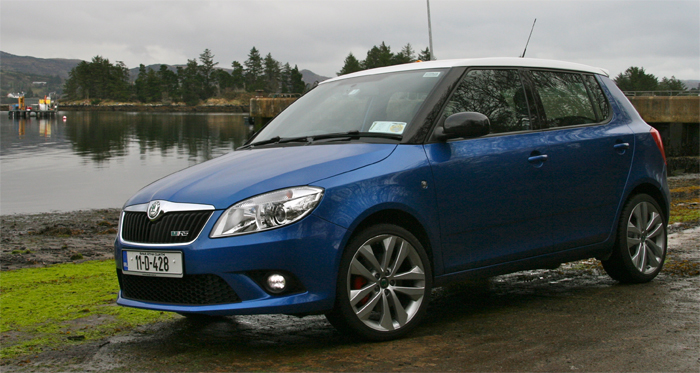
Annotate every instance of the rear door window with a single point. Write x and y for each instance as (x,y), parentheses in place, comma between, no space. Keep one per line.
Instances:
(564,97)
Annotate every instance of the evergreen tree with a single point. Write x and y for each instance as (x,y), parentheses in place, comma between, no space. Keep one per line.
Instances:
(139,84)
(190,82)
(405,56)
(297,84)
(120,88)
(169,83)
(253,71)
(424,55)
(350,65)
(237,75)
(378,57)
(671,84)
(286,78)
(636,79)
(271,73)
(98,79)
(207,72)
(222,79)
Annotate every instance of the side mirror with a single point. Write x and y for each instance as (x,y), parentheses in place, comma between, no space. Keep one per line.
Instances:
(466,125)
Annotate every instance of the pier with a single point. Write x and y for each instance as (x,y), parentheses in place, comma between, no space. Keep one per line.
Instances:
(33,107)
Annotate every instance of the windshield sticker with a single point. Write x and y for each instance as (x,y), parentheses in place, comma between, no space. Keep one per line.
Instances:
(433,74)
(388,127)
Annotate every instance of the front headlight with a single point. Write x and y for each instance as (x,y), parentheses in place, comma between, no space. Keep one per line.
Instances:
(267,211)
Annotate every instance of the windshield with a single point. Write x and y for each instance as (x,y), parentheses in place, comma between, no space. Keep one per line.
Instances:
(381,104)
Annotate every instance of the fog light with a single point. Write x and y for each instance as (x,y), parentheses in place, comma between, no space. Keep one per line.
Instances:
(276,283)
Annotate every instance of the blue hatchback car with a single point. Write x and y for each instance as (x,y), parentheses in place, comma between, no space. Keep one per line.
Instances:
(377,186)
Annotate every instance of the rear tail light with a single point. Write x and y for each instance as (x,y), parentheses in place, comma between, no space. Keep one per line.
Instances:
(657,139)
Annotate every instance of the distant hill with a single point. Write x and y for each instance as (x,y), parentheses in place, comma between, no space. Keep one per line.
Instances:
(690,84)
(19,72)
(309,77)
(37,66)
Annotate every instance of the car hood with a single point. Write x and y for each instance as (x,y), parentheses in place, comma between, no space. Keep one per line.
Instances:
(241,174)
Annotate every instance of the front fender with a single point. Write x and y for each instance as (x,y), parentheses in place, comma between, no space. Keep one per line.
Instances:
(401,182)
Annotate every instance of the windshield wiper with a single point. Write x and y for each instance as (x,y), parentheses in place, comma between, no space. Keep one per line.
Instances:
(357,135)
(337,135)
(262,142)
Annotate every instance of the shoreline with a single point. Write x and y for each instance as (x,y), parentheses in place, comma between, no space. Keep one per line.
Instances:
(158,108)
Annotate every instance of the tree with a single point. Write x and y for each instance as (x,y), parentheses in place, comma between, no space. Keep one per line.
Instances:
(405,56)
(253,71)
(297,84)
(350,65)
(286,78)
(169,83)
(222,79)
(671,84)
(424,55)
(98,79)
(636,79)
(190,82)
(272,72)
(378,57)
(140,83)
(237,75)
(207,70)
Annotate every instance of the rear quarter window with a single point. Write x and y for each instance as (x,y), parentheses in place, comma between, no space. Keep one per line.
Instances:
(565,98)
(600,101)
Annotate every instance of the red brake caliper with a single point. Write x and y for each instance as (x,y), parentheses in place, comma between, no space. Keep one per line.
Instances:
(357,283)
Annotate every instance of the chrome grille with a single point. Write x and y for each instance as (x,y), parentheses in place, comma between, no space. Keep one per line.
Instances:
(137,228)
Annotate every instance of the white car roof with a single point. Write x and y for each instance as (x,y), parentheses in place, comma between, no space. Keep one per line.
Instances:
(478,62)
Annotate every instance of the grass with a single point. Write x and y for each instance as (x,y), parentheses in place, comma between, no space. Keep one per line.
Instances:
(43,308)
(685,204)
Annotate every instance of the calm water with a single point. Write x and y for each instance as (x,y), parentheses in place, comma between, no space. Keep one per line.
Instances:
(99,159)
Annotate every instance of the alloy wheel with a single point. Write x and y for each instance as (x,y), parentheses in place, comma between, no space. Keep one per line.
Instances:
(386,282)
(646,238)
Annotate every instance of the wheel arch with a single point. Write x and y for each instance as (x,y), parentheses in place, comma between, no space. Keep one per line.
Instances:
(403,219)
(655,193)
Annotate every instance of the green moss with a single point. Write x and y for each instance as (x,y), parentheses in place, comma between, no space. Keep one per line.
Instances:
(42,307)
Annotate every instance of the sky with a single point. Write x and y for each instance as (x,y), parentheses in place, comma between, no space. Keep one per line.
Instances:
(663,37)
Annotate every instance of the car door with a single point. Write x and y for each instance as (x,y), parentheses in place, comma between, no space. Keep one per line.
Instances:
(589,157)
(490,190)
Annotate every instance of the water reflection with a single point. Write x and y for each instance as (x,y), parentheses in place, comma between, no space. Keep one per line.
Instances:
(98,159)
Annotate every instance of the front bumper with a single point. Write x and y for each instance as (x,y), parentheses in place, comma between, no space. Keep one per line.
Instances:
(309,250)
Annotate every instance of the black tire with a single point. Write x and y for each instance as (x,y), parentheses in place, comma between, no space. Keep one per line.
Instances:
(640,247)
(384,284)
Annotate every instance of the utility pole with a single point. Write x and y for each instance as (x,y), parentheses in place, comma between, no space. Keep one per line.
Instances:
(430,34)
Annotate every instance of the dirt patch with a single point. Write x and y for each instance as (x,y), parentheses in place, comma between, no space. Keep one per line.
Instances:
(34,240)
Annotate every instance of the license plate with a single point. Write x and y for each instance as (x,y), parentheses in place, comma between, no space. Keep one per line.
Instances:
(152,263)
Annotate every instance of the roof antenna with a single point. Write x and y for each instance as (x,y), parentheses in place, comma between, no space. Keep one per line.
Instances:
(528,38)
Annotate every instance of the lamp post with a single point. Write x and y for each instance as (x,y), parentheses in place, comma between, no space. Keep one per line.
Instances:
(430,34)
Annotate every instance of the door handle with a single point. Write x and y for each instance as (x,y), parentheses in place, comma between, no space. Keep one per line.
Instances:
(621,147)
(538,158)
